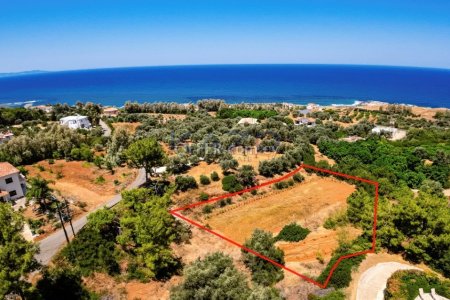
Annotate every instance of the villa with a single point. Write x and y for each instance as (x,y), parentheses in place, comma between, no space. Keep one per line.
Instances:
(6,136)
(396,134)
(76,122)
(248,121)
(111,111)
(12,183)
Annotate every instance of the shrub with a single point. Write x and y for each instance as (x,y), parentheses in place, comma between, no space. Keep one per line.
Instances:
(51,161)
(215,176)
(207,209)
(298,177)
(204,180)
(231,184)
(100,180)
(185,183)
(292,233)
(204,196)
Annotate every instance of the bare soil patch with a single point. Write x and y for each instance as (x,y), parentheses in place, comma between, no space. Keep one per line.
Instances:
(80,184)
(130,127)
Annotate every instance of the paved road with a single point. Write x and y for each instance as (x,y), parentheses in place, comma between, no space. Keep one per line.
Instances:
(106,129)
(51,244)
(373,281)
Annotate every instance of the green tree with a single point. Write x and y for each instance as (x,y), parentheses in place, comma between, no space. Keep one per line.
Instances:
(61,283)
(263,272)
(39,191)
(16,254)
(147,231)
(246,176)
(214,277)
(145,153)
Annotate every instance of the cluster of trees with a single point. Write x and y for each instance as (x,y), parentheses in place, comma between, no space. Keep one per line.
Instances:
(17,115)
(159,108)
(140,230)
(210,104)
(216,277)
(389,161)
(231,113)
(37,144)
(288,161)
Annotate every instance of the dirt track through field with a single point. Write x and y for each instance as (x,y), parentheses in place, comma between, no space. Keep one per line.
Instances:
(308,203)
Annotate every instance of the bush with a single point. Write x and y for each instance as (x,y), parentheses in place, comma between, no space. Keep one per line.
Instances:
(231,184)
(298,177)
(292,233)
(204,196)
(204,180)
(185,183)
(100,180)
(207,209)
(215,176)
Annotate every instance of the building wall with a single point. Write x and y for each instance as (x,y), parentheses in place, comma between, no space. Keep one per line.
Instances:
(15,185)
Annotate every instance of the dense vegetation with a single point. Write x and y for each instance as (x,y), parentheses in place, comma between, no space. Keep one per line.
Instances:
(229,113)
(406,285)
(263,272)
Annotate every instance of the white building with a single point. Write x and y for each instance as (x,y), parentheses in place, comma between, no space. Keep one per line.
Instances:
(6,136)
(396,134)
(250,121)
(76,122)
(12,182)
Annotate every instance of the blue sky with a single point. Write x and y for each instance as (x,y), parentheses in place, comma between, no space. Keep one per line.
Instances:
(79,34)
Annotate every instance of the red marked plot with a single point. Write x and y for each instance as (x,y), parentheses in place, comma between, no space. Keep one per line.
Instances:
(176,212)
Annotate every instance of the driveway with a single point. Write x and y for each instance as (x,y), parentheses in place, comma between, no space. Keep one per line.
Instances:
(50,245)
(105,127)
(373,281)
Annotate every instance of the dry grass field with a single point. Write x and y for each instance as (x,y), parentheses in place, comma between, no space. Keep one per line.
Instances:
(308,203)
(131,127)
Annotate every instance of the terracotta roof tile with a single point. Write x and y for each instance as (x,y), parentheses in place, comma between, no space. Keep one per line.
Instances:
(7,169)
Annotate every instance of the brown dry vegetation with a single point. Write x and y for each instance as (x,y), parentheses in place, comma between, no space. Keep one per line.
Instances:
(130,127)
(76,181)
(308,203)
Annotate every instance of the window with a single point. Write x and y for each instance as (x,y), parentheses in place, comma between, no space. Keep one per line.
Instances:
(12,193)
(8,180)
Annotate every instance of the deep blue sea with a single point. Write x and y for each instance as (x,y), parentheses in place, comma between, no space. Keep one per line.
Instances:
(322,84)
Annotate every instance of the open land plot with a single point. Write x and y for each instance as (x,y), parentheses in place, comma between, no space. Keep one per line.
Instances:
(130,127)
(81,184)
(308,203)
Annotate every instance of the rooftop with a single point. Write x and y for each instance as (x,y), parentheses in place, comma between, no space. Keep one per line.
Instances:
(7,169)
(73,118)
(248,121)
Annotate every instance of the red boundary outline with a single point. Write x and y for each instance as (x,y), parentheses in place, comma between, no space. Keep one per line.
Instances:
(175,212)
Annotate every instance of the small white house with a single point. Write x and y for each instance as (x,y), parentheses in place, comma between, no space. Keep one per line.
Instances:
(396,133)
(76,122)
(12,183)
(6,136)
(249,121)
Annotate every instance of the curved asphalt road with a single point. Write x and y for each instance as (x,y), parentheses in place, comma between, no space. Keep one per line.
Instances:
(51,244)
